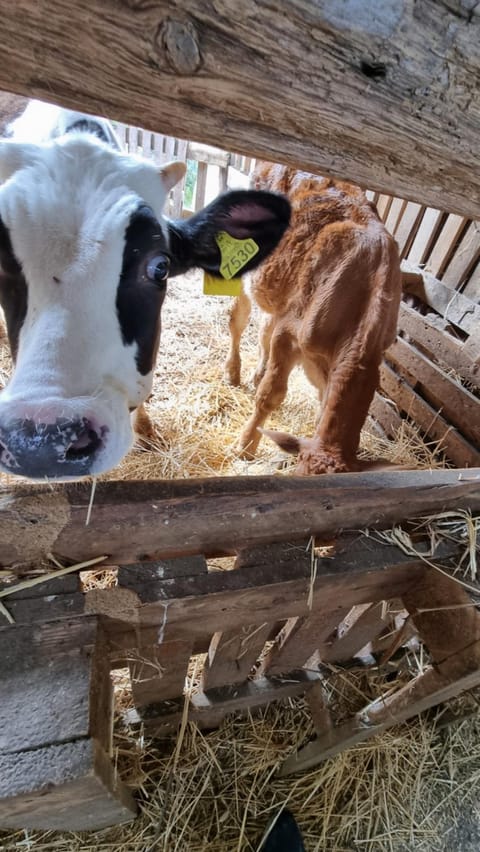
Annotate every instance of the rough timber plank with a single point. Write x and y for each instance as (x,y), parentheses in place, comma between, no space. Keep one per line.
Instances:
(455,402)
(363,572)
(158,672)
(208,709)
(457,448)
(385,413)
(138,521)
(406,227)
(454,306)
(445,244)
(464,258)
(182,70)
(70,786)
(233,653)
(366,628)
(439,344)
(424,236)
(299,639)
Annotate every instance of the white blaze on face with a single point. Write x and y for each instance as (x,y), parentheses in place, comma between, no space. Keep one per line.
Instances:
(67,206)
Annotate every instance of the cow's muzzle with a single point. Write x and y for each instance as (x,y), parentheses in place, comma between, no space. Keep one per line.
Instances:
(63,449)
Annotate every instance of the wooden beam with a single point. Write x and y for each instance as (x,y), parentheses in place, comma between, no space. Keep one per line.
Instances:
(214,73)
(208,709)
(457,448)
(364,572)
(439,344)
(457,405)
(451,304)
(141,521)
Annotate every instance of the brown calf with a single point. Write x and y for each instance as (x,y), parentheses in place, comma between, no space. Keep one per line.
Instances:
(331,294)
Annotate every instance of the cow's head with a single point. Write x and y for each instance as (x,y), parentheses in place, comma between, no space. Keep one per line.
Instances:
(84,258)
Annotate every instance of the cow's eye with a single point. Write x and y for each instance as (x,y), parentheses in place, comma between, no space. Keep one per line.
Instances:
(158,268)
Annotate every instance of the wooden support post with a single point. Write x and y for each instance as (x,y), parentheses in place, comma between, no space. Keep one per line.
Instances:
(201,186)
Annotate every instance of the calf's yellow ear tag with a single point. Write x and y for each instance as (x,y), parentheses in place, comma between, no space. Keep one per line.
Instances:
(235,254)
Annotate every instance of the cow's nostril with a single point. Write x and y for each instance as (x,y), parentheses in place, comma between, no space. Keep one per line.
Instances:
(86,443)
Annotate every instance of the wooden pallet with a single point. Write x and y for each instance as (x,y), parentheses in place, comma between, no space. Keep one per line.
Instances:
(268,626)
(431,374)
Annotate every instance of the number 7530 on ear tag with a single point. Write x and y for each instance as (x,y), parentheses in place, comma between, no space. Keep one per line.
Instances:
(235,254)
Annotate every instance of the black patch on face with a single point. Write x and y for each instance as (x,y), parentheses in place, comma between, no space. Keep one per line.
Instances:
(139,299)
(13,289)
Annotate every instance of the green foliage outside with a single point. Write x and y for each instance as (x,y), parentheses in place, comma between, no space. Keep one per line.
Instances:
(190,181)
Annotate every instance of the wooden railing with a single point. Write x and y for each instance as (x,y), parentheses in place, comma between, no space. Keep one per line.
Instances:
(444,244)
(210,170)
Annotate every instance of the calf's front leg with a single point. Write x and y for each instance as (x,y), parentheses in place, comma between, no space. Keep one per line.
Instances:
(271,391)
(239,314)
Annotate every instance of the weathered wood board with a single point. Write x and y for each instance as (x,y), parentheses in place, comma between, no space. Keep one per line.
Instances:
(339,89)
(141,521)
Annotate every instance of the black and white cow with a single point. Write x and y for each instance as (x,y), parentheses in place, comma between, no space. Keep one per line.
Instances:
(84,256)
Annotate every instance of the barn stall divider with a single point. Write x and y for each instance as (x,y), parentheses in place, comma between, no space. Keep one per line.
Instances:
(268,627)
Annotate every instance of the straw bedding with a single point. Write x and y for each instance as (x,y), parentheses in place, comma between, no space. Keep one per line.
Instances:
(412,788)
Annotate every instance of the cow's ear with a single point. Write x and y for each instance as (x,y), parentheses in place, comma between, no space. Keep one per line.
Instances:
(15,156)
(171,173)
(242,214)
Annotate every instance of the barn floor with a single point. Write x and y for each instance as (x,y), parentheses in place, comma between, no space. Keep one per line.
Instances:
(413,788)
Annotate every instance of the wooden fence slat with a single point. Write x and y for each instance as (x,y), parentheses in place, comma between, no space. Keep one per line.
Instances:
(445,244)
(178,190)
(383,206)
(472,287)
(407,225)
(385,414)
(439,344)
(454,306)
(465,257)
(169,146)
(158,154)
(456,403)
(208,709)
(366,628)
(201,186)
(424,236)
(232,654)
(457,448)
(158,672)
(299,639)
(394,214)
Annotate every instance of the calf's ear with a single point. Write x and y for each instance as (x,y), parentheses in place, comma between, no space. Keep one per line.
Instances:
(171,173)
(242,214)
